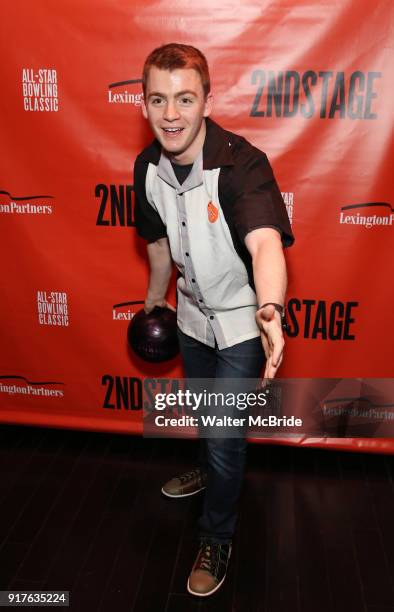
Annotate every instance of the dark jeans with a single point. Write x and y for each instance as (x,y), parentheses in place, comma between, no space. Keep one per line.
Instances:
(222,458)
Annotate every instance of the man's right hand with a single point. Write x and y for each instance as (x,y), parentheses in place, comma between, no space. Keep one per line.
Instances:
(150,304)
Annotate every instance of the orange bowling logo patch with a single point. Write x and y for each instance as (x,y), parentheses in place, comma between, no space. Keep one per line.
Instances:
(213,212)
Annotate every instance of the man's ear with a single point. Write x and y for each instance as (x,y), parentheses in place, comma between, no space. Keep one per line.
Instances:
(144,110)
(208,105)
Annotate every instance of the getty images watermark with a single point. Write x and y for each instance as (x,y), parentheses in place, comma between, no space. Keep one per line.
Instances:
(215,408)
(214,401)
(254,408)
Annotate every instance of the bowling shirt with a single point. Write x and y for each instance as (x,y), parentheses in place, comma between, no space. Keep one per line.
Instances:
(230,191)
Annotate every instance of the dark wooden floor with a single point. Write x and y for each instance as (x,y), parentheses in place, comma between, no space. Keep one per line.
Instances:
(83,512)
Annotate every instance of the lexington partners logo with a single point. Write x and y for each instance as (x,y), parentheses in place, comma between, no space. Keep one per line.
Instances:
(13,384)
(116,205)
(320,319)
(40,90)
(124,311)
(22,205)
(359,407)
(118,93)
(325,94)
(52,308)
(370,214)
(288,198)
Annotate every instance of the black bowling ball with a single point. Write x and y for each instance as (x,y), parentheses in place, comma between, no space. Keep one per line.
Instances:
(153,336)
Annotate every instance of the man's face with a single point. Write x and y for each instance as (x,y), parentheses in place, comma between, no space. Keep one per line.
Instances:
(175,106)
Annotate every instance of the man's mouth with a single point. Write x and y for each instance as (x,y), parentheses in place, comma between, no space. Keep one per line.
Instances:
(173,131)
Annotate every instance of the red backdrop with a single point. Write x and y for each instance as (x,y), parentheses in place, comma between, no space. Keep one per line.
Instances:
(309,84)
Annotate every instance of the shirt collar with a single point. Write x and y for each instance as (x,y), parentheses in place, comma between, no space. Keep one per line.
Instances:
(166,172)
(216,149)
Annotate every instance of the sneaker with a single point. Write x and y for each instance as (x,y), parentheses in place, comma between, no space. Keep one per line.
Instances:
(209,570)
(187,484)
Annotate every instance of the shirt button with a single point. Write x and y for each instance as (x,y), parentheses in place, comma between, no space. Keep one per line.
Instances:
(187,254)
(211,317)
(193,280)
(200,300)
(183,223)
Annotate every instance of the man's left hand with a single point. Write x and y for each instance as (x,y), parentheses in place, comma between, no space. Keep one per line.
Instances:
(269,321)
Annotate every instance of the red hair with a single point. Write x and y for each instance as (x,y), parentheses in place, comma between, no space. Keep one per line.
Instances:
(175,55)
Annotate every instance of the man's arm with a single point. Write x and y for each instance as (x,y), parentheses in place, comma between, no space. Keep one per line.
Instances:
(150,226)
(160,264)
(270,277)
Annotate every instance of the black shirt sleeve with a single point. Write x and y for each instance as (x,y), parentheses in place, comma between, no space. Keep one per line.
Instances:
(148,222)
(257,201)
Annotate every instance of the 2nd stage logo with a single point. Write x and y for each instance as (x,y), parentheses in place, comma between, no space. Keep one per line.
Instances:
(318,319)
(116,206)
(122,392)
(133,393)
(327,94)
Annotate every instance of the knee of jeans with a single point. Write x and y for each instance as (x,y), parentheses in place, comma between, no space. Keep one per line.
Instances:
(226,455)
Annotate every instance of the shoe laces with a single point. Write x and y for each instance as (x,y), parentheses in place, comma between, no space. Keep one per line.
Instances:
(208,557)
(188,475)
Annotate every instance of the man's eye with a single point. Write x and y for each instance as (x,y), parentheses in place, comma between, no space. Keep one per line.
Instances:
(156,101)
(186,101)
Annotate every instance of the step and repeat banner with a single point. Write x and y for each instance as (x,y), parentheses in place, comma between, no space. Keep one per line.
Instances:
(308,83)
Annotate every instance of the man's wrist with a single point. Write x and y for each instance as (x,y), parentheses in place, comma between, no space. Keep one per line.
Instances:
(155,299)
(280,309)
(277,307)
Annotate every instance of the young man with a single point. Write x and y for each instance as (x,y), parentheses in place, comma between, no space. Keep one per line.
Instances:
(207,200)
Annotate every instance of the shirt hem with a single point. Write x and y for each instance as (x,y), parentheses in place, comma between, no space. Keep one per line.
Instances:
(221,345)
(194,336)
(238,340)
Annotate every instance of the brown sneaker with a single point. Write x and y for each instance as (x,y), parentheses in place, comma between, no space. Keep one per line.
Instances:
(186,484)
(209,569)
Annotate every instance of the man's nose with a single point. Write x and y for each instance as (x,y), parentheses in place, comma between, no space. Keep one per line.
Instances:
(171,112)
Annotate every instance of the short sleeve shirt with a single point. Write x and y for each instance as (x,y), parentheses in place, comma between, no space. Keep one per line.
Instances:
(230,191)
